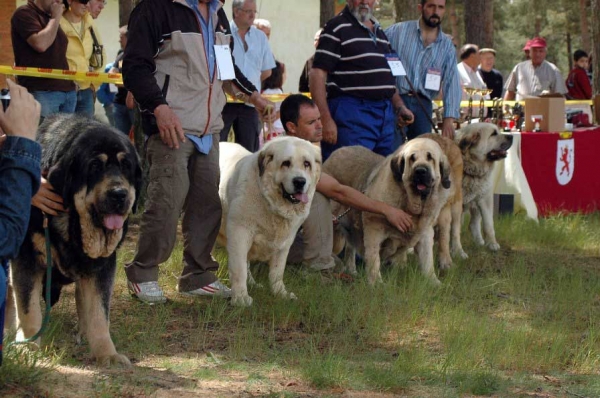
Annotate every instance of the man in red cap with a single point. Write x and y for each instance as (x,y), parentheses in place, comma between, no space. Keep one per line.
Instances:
(526,50)
(536,76)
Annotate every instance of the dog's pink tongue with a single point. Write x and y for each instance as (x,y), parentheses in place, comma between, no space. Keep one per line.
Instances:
(114,221)
(302,197)
(421,187)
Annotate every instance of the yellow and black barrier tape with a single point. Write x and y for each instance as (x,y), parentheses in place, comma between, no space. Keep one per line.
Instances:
(94,77)
(491,104)
(116,78)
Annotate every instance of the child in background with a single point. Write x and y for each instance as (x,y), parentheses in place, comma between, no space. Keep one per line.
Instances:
(273,85)
(578,82)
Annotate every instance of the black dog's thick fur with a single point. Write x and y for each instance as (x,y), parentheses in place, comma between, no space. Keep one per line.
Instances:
(96,171)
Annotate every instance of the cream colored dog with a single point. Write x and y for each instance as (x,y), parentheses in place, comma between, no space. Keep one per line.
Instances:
(266,196)
(415,179)
(481,145)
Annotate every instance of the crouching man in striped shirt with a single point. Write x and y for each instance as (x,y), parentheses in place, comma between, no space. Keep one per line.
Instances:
(352,83)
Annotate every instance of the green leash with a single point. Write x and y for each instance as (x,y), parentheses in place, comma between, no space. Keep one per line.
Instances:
(46,319)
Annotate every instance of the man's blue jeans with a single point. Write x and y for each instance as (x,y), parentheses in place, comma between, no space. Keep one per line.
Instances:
(55,101)
(123,117)
(421,125)
(85,102)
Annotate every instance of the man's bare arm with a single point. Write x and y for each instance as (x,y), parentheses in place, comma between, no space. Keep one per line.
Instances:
(331,188)
(43,39)
(318,92)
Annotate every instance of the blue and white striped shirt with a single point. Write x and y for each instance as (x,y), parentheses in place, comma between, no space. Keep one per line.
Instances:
(405,39)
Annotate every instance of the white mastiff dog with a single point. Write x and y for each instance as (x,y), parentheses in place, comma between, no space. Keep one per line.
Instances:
(266,197)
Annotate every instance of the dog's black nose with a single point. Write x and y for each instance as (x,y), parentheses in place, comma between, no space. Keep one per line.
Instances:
(299,183)
(118,195)
(421,171)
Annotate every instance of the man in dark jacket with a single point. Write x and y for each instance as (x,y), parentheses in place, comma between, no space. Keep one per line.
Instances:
(171,68)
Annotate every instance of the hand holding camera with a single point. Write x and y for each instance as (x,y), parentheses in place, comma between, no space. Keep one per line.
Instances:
(22,116)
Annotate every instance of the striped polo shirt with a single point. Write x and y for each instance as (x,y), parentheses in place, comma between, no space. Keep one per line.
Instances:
(354,58)
(529,81)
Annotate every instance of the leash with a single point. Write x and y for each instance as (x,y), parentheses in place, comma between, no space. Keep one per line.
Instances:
(46,319)
(421,105)
(336,219)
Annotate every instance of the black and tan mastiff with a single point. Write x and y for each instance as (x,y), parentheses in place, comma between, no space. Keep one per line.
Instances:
(96,171)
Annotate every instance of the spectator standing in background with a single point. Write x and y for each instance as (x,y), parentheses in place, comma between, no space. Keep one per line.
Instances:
(95,7)
(264,26)
(254,58)
(578,82)
(527,50)
(78,25)
(38,41)
(534,77)
(122,115)
(429,57)
(469,76)
(493,78)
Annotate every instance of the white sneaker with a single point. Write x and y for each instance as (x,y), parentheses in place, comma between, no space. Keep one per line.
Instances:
(217,288)
(147,292)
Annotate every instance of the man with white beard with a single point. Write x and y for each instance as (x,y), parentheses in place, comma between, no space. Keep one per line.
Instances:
(352,83)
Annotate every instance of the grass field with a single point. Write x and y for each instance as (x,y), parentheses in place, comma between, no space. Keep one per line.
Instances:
(523,322)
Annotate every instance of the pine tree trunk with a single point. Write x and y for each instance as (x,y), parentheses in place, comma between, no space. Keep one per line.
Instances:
(585,27)
(488,20)
(406,10)
(327,11)
(475,21)
(455,32)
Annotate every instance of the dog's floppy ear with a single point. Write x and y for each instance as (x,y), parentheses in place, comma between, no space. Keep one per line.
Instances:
(397,167)
(445,172)
(468,141)
(264,159)
(60,176)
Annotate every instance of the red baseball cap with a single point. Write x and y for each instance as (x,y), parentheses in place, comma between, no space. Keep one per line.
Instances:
(527,46)
(537,42)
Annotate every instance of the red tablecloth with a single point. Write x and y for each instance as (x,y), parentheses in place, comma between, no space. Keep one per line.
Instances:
(563,172)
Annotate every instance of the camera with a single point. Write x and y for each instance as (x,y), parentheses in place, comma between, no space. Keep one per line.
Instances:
(5,98)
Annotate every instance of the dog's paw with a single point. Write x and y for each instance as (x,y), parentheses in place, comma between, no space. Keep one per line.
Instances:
(479,240)
(493,246)
(110,360)
(460,254)
(286,295)
(241,301)
(445,265)
(435,281)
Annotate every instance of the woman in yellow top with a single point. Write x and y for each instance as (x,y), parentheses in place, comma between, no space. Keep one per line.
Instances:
(77,23)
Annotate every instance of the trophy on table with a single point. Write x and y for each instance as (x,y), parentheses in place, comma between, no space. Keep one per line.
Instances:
(471,91)
(536,119)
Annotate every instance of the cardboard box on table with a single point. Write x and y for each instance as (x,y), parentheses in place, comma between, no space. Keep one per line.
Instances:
(551,110)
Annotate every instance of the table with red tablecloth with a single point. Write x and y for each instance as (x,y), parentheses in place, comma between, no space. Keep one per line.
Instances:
(563,169)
